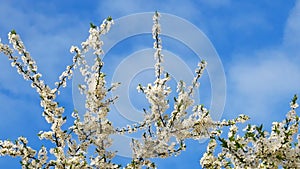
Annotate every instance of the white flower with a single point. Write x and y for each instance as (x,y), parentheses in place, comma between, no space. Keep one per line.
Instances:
(294,105)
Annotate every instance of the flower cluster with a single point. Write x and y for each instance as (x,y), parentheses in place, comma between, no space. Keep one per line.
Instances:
(20,148)
(257,148)
(164,133)
(70,146)
(166,125)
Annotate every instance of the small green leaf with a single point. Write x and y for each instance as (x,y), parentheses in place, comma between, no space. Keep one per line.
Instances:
(167,75)
(231,138)
(294,99)
(109,18)
(175,100)
(259,128)
(92,25)
(13,32)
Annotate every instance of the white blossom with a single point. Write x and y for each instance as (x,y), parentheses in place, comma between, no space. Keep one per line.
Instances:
(258,149)
(164,129)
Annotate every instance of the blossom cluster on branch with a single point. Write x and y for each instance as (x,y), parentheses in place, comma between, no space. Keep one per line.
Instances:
(257,148)
(71,145)
(165,126)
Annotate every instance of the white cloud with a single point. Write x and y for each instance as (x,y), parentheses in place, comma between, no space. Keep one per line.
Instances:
(272,72)
(292,31)
(261,80)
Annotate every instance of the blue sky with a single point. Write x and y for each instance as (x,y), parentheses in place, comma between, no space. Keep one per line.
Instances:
(257,42)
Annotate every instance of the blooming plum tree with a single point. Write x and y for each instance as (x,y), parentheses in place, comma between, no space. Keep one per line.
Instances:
(163,133)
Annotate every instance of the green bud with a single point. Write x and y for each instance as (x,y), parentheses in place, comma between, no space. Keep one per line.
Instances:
(92,25)
(13,32)
(294,99)
(109,18)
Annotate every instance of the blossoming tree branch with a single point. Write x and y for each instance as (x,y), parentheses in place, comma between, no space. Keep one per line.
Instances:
(163,133)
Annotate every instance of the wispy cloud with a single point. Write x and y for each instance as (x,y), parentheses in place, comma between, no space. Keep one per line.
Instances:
(291,41)
(261,80)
